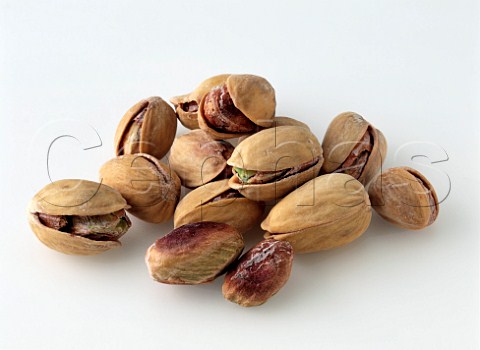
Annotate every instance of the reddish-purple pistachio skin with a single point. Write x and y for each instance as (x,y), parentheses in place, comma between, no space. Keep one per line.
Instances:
(259,274)
(194,253)
(221,113)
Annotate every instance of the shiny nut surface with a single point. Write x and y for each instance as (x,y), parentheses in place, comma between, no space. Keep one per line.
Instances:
(152,190)
(78,217)
(147,127)
(353,146)
(194,253)
(326,212)
(197,158)
(217,202)
(404,197)
(259,274)
(274,161)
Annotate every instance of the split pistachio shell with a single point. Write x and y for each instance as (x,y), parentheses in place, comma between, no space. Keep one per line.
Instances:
(151,189)
(198,159)
(251,95)
(148,127)
(326,212)
(80,198)
(353,146)
(276,149)
(214,202)
(194,253)
(404,197)
(186,106)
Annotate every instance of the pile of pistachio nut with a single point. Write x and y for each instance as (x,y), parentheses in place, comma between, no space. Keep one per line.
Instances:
(318,196)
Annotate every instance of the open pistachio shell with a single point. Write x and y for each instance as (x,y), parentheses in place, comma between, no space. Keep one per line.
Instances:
(404,197)
(326,212)
(272,150)
(186,106)
(150,187)
(251,95)
(254,96)
(215,202)
(353,146)
(73,197)
(148,127)
(198,159)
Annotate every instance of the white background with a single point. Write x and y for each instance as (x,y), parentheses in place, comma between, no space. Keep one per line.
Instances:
(409,67)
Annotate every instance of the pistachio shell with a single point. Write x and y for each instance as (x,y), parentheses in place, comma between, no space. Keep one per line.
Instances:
(326,212)
(287,121)
(190,119)
(344,133)
(404,197)
(73,198)
(274,190)
(194,253)
(254,96)
(157,130)
(196,206)
(276,148)
(76,197)
(67,243)
(198,159)
(281,121)
(149,186)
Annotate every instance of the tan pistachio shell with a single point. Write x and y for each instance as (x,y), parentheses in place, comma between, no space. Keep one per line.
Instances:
(240,213)
(253,96)
(404,197)
(190,119)
(197,158)
(158,128)
(326,212)
(282,121)
(274,190)
(150,187)
(73,197)
(272,150)
(287,121)
(342,135)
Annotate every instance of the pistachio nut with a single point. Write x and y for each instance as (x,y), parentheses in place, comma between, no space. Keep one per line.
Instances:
(148,127)
(78,217)
(186,106)
(353,146)
(259,274)
(217,202)
(242,105)
(151,189)
(273,162)
(194,253)
(404,197)
(326,212)
(197,158)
